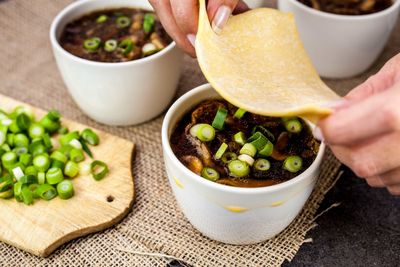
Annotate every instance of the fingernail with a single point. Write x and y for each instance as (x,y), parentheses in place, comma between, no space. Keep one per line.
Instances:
(336,104)
(220,18)
(318,134)
(191,38)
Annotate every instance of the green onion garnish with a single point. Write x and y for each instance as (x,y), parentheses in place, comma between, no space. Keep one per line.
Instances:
(46,192)
(31,170)
(238,168)
(246,158)
(36,130)
(262,165)
(41,177)
(293,164)
(266,151)
(264,131)
(65,189)
(54,176)
(239,113)
(41,162)
(92,44)
(7,194)
(27,196)
(76,155)
(210,174)
(101,19)
(149,49)
(219,120)
(221,150)
(28,179)
(292,125)
(123,22)
(258,140)
(148,22)
(90,137)
(98,169)
(18,191)
(86,148)
(228,157)
(248,149)
(110,45)
(23,121)
(240,138)
(126,46)
(21,140)
(71,169)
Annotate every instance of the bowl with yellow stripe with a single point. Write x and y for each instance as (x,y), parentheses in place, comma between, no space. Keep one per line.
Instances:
(232,215)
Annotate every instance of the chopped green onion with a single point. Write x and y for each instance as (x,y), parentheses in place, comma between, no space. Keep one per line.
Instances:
(54,176)
(18,191)
(37,148)
(75,144)
(195,128)
(84,168)
(55,163)
(238,168)
(66,138)
(239,113)
(91,44)
(219,119)
(98,169)
(264,131)
(126,46)
(46,192)
(31,170)
(59,156)
(21,140)
(101,19)
(248,149)
(50,122)
(18,172)
(71,169)
(148,22)
(76,155)
(246,158)
(228,157)
(86,148)
(7,194)
(13,127)
(205,133)
(47,141)
(20,150)
(258,140)
(10,139)
(27,195)
(293,164)
(221,150)
(41,162)
(65,189)
(41,177)
(9,158)
(28,179)
(23,110)
(123,22)
(240,138)
(210,174)
(36,130)
(25,159)
(23,121)
(110,45)
(63,130)
(5,147)
(33,188)
(149,49)
(266,151)
(54,115)
(6,182)
(293,125)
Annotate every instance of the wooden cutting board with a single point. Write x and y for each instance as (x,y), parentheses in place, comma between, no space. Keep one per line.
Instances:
(45,225)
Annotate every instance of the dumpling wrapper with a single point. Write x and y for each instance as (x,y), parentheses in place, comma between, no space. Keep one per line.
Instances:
(258,63)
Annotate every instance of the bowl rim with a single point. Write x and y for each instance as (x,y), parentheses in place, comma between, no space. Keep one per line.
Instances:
(74,7)
(175,108)
(395,5)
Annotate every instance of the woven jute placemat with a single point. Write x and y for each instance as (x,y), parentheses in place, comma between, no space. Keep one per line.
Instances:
(155,225)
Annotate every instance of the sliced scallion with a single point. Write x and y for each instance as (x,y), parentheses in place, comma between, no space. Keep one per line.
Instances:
(262,165)
(210,174)
(92,44)
(239,113)
(54,176)
(101,19)
(65,189)
(46,192)
(246,158)
(126,46)
(71,169)
(293,125)
(110,45)
(238,168)
(205,133)
(240,138)
(219,119)
(248,149)
(228,157)
(123,22)
(98,169)
(221,150)
(266,151)
(293,163)
(148,22)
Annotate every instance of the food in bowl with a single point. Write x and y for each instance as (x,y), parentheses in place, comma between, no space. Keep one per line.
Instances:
(115,35)
(230,146)
(347,7)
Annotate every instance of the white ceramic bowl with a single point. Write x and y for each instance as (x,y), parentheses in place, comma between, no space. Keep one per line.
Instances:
(116,93)
(342,45)
(230,214)
(255,3)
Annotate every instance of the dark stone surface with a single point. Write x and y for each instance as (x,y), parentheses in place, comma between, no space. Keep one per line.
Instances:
(363,231)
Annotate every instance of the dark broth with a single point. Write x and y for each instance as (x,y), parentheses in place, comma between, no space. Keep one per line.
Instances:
(187,148)
(348,7)
(125,26)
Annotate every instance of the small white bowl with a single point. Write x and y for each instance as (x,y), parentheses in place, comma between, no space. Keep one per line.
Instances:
(231,214)
(255,3)
(342,45)
(123,93)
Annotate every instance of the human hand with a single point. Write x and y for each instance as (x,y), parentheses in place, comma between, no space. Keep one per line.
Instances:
(180,18)
(364,130)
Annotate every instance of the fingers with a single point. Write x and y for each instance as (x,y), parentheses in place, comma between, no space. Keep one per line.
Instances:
(376,115)
(219,12)
(375,182)
(371,158)
(186,15)
(390,178)
(164,12)
(394,190)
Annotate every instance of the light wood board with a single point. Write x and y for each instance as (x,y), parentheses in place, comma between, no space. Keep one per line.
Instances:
(45,225)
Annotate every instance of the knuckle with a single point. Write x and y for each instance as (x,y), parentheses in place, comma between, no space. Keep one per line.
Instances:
(364,167)
(391,117)
(375,182)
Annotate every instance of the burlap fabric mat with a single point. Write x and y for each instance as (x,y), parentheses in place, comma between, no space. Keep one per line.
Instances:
(28,73)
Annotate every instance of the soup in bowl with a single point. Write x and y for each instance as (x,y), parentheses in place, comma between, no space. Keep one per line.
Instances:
(237,199)
(116,60)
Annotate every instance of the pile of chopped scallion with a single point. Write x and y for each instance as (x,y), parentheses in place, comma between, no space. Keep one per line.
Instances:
(35,164)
